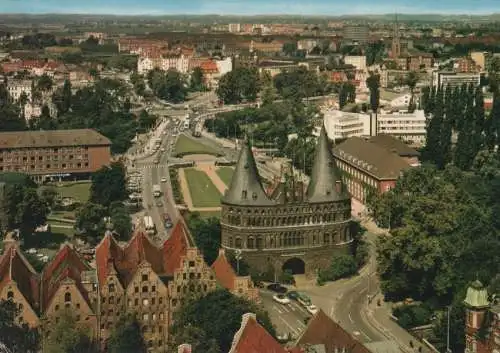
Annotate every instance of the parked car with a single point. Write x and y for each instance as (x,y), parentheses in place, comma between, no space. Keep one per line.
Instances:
(163,180)
(312,309)
(294,295)
(278,288)
(281,298)
(159,203)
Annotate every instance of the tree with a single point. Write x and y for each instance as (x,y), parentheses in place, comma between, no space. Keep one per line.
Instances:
(238,85)
(373,84)
(49,195)
(90,221)
(218,316)
(45,83)
(120,218)
(197,82)
(433,151)
(168,85)
(17,337)
(341,266)
(342,96)
(411,82)
(207,235)
(109,184)
(126,336)
(66,336)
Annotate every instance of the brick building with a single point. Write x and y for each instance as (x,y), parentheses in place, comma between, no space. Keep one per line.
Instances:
(54,153)
(238,285)
(142,278)
(372,164)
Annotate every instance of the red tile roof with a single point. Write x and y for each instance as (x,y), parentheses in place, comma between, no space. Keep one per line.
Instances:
(209,66)
(15,267)
(175,247)
(67,264)
(164,260)
(322,330)
(253,338)
(224,271)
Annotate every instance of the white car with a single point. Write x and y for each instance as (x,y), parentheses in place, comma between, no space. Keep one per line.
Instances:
(163,180)
(31,251)
(281,298)
(163,149)
(312,309)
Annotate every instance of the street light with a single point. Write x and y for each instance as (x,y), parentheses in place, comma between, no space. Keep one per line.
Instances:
(238,256)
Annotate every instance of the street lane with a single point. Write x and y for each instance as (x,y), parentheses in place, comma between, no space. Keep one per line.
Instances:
(287,318)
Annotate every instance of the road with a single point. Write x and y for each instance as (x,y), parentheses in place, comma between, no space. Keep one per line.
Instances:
(289,318)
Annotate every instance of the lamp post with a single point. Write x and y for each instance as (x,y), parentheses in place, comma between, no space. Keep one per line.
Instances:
(238,256)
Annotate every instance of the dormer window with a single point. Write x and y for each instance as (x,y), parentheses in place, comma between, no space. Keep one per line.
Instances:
(244,194)
(67,297)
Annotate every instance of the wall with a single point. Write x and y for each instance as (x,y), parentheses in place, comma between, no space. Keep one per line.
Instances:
(98,156)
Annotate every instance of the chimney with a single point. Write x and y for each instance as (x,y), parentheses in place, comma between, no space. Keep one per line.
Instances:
(338,186)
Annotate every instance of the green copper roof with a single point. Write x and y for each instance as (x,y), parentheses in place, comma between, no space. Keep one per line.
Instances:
(325,177)
(477,296)
(245,188)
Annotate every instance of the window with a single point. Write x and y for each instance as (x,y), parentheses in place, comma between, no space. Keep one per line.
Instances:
(153,301)
(191,263)
(153,317)
(136,302)
(78,305)
(67,297)
(160,300)
(145,317)
(145,289)
(145,302)
(111,288)
(136,289)
(56,307)
(10,295)
(153,288)
(244,194)
(111,300)
(145,277)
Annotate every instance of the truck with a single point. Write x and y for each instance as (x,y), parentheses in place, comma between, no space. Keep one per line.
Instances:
(156,190)
(149,225)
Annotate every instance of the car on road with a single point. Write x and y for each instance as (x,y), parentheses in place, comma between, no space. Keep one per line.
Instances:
(281,298)
(163,149)
(159,203)
(278,288)
(294,295)
(312,309)
(163,180)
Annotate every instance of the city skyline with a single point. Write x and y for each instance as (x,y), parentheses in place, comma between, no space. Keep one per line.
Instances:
(238,7)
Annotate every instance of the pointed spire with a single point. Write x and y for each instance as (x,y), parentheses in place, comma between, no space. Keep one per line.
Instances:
(245,187)
(326,182)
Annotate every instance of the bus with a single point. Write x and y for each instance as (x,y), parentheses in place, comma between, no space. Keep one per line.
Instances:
(149,225)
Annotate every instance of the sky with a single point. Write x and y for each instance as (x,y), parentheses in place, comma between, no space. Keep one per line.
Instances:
(250,7)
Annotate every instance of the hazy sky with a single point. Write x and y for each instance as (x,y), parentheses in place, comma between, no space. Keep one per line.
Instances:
(324,7)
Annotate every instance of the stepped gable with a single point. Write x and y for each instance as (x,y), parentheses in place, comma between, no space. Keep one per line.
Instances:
(253,338)
(323,331)
(140,249)
(224,271)
(67,264)
(14,267)
(326,181)
(107,254)
(175,247)
(245,188)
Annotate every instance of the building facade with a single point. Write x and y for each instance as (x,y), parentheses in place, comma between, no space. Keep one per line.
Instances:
(454,79)
(55,153)
(289,228)
(140,278)
(358,34)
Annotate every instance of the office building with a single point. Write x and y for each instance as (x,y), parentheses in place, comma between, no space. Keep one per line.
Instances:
(454,79)
(359,34)
(54,154)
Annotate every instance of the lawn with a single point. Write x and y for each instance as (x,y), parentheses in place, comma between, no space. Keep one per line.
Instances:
(226,174)
(80,191)
(203,191)
(186,145)
(210,214)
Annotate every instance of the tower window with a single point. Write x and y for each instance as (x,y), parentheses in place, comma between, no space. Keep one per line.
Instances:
(244,194)
(67,297)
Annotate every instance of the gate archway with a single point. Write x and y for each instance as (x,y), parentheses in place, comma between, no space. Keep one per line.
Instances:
(295,265)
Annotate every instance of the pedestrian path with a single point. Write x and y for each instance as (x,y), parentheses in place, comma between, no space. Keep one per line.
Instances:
(209,169)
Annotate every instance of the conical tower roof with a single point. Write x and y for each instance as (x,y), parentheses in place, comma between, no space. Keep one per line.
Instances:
(245,188)
(326,181)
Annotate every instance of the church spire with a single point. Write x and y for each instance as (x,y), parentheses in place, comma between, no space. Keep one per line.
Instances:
(246,188)
(326,182)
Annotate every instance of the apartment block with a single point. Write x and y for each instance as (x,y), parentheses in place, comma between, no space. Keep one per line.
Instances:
(54,154)
(454,79)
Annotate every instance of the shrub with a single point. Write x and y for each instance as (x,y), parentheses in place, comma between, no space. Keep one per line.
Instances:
(341,266)
(410,316)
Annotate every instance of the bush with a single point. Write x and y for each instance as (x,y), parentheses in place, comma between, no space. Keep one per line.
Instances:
(176,187)
(340,267)
(410,316)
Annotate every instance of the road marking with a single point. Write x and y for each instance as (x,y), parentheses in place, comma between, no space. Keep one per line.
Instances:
(285,309)
(301,323)
(301,309)
(350,318)
(289,326)
(369,339)
(278,310)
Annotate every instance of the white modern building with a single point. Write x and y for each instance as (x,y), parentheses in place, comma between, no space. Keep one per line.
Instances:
(409,127)
(358,61)
(454,79)
(178,62)
(17,87)
(224,66)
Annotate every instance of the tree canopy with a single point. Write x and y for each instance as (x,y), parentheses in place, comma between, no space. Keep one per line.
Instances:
(169,85)
(239,85)
(66,336)
(213,320)
(207,235)
(18,338)
(109,184)
(126,336)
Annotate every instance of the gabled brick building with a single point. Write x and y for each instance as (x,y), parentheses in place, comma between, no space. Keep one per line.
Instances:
(142,278)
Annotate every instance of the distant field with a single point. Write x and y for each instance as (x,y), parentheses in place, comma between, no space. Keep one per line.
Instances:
(226,174)
(203,191)
(186,145)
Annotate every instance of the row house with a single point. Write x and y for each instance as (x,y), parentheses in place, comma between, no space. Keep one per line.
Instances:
(16,88)
(466,64)
(35,67)
(177,62)
(142,278)
(140,46)
(265,48)
(415,62)
(34,110)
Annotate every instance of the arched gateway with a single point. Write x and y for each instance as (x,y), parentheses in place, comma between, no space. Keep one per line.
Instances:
(294,265)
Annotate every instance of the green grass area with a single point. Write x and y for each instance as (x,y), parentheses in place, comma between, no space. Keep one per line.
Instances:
(210,214)
(185,146)
(226,174)
(203,191)
(80,191)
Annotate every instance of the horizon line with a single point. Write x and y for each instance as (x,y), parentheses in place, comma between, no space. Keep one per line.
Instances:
(247,15)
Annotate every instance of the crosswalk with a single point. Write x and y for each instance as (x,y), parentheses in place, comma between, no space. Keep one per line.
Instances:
(151,166)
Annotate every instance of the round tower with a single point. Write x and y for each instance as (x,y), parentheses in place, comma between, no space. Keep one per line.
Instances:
(477,305)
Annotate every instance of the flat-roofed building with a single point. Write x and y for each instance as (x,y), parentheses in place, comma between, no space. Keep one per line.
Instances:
(54,154)
(454,79)
(359,34)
